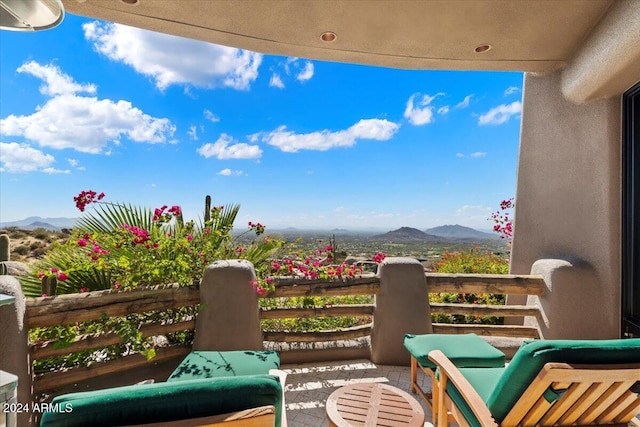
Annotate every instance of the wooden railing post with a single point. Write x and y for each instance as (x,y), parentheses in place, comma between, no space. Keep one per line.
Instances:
(14,348)
(228,318)
(402,306)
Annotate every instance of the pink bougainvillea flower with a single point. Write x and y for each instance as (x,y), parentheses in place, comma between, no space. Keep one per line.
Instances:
(189,237)
(379,257)
(84,290)
(62,276)
(82,243)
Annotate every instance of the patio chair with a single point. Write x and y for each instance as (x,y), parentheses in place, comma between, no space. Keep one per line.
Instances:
(224,388)
(223,401)
(552,382)
(464,350)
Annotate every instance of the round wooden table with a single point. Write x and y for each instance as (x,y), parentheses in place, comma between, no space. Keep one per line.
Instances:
(373,404)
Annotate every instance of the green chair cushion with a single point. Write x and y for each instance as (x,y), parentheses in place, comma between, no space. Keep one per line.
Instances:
(213,364)
(467,351)
(483,380)
(533,355)
(158,402)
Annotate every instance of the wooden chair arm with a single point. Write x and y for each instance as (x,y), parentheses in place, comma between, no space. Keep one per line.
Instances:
(449,372)
(261,416)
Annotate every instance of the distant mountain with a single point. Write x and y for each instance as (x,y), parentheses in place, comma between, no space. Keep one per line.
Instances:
(460,232)
(33,222)
(407,234)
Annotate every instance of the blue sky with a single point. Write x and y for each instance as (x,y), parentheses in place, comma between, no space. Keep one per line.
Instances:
(157,120)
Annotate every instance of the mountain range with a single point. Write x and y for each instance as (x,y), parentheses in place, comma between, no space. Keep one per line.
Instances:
(33,222)
(441,234)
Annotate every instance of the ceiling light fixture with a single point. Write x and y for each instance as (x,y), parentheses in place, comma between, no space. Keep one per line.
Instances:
(328,36)
(130,2)
(482,48)
(30,15)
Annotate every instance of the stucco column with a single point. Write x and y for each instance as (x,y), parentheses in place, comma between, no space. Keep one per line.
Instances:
(568,202)
(402,307)
(14,349)
(228,318)
(569,303)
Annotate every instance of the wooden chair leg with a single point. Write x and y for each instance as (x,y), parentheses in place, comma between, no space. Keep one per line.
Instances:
(414,374)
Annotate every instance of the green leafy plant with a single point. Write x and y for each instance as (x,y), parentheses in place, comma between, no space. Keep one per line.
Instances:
(122,246)
(471,261)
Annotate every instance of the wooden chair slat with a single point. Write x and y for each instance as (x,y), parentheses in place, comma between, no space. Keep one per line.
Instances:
(616,410)
(584,403)
(561,406)
(614,392)
(536,412)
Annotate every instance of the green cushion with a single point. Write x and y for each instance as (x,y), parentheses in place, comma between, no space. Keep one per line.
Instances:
(147,403)
(213,364)
(468,350)
(533,355)
(483,380)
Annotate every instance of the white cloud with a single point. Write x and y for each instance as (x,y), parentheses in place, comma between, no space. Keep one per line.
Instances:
(290,142)
(226,148)
(55,81)
(306,73)
(175,60)
(229,172)
(464,103)
(276,81)
(19,158)
(193,133)
(421,114)
(293,67)
(511,90)
(475,155)
(53,171)
(443,110)
(210,116)
(474,215)
(500,114)
(73,162)
(85,124)
(478,154)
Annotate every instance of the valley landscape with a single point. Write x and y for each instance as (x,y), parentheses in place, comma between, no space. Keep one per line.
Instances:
(32,237)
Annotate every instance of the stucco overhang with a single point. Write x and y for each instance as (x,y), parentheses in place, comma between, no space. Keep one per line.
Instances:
(525,35)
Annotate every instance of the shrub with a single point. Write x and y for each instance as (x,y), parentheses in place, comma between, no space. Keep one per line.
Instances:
(471,261)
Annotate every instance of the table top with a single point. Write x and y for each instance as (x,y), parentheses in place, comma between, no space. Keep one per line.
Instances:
(373,404)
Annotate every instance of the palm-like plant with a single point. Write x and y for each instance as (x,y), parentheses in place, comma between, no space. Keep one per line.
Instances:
(124,245)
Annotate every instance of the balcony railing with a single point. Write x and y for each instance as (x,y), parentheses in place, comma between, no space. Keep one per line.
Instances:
(73,308)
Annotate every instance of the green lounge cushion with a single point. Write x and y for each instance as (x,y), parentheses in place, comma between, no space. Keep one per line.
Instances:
(533,355)
(213,364)
(147,403)
(464,350)
(483,380)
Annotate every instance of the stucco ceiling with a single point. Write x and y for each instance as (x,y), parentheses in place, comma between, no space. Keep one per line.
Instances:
(524,35)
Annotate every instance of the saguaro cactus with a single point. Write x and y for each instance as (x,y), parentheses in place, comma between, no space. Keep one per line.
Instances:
(5,248)
(49,286)
(207,209)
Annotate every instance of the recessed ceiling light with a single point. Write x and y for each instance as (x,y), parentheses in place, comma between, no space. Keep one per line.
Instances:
(482,48)
(328,36)
(130,2)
